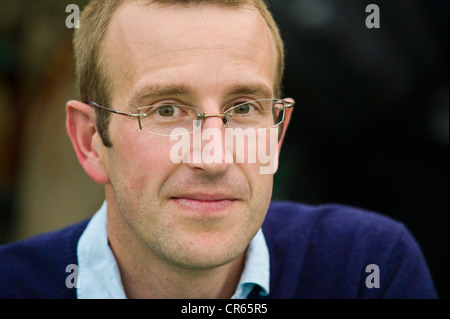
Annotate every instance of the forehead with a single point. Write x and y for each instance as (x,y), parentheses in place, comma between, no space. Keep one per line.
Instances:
(187,45)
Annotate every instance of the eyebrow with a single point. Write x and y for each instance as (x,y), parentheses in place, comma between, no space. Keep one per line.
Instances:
(157,91)
(258,90)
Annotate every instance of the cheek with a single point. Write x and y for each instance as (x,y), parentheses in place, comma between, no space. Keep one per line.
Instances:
(261,185)
(260,175)
(133,159)
(262,188)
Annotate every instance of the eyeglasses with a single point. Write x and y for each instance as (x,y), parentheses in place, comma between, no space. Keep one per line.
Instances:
(164,118)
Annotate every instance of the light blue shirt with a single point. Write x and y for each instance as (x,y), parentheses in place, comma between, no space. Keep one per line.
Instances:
(99,275)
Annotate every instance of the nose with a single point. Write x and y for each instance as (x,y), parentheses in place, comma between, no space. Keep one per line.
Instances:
(209,152)
(223,117)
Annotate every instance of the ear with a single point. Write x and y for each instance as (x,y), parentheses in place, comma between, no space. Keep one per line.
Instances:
(82,131)
(287,120)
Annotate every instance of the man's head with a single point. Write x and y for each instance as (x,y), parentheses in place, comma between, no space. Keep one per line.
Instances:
(94,82)
(207,54)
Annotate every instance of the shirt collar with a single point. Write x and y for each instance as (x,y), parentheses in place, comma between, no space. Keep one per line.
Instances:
(99,275)
(256,270)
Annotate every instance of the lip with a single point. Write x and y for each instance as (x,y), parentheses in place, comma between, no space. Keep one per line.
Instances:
(206,197)
(203,202)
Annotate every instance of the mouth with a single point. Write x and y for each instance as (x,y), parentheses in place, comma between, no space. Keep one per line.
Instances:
(204,203)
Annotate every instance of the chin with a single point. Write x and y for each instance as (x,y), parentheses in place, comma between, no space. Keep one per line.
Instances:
(208,252)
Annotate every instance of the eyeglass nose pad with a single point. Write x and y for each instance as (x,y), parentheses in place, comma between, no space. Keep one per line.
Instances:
(197,124)
(226,119)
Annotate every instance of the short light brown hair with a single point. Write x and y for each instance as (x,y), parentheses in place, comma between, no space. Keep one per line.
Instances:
(92,81)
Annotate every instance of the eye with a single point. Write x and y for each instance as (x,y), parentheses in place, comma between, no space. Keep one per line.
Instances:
(243,108)
(167,110)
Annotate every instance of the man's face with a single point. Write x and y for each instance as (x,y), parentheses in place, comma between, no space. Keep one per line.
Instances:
(194,215)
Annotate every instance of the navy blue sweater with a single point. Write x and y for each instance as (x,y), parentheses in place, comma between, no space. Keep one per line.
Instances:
(315,252)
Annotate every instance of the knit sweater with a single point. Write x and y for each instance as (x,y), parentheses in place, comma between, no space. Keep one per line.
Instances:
(324,251)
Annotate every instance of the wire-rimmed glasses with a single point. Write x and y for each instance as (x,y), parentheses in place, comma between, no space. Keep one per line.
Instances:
(164,118)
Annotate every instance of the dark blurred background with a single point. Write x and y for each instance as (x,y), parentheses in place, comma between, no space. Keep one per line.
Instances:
(370,129)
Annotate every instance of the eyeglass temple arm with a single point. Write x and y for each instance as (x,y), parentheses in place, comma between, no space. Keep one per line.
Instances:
(286,104)
(129,114)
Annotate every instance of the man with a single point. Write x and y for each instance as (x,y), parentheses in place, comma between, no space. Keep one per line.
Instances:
(188,212)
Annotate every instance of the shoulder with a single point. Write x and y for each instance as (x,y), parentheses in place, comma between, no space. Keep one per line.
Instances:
(331,229)
(36,267)
(327,248)
(328,222)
